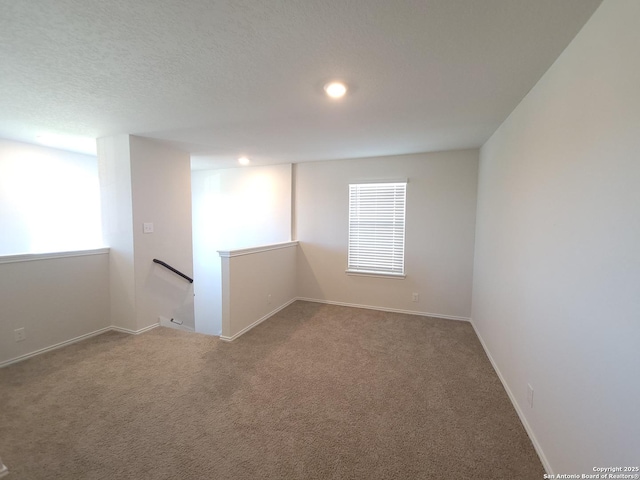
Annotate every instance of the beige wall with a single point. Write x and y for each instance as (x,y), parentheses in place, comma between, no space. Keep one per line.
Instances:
(441,204)
(54,299)
(146,181)
(117,226)
(557,261)
(161,194)
(256,283)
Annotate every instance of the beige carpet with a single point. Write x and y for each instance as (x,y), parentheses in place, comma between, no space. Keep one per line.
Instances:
(316,392)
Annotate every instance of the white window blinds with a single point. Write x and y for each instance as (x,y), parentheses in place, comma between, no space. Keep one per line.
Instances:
(376,228)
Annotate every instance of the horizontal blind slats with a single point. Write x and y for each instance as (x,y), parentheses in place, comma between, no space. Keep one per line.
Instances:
(377,227)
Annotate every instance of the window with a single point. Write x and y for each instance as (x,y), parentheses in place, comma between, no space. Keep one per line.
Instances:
(376,228)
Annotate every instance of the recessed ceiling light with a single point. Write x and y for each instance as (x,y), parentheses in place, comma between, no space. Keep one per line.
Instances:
(243,161)
(335,89)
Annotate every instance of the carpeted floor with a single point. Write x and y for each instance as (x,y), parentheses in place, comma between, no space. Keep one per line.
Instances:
(315,392)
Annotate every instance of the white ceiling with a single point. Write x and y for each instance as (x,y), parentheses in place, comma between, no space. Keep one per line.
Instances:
(230,77)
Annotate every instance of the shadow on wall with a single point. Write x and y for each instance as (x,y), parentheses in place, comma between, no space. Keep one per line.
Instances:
(168,288)
(308,285)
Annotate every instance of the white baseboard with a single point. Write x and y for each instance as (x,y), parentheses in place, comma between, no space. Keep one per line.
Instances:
(134,332)
(342,304)
(75,340)
(523,419)
(54,347)
(384,309)
(3,470)
(257,322)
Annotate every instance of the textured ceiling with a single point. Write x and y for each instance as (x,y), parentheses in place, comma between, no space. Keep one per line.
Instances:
(224,78)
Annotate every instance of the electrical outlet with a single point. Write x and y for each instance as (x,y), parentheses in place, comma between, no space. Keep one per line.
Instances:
(147,227)
(19,334)
(530,395)
(415,297)
(269,299)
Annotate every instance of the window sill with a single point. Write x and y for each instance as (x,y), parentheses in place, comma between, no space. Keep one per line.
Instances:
(358,273)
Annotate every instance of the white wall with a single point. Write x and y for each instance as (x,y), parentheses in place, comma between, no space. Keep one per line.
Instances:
(256,283)
(234,209)
(49,200)
(556,294)
(117,227)
(54,299)
(146,181)
(441,205)
(161,194)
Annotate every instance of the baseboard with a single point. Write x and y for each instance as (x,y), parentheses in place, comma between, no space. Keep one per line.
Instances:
(384,309)
(134,332)
(342,304)
(54,347)
(523,419)
(257,322)
(75,340)
(3,470)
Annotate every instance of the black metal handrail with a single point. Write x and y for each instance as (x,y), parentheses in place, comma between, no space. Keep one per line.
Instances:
(178,272)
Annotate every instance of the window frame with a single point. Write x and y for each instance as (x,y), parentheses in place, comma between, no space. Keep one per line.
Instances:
(395,193)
